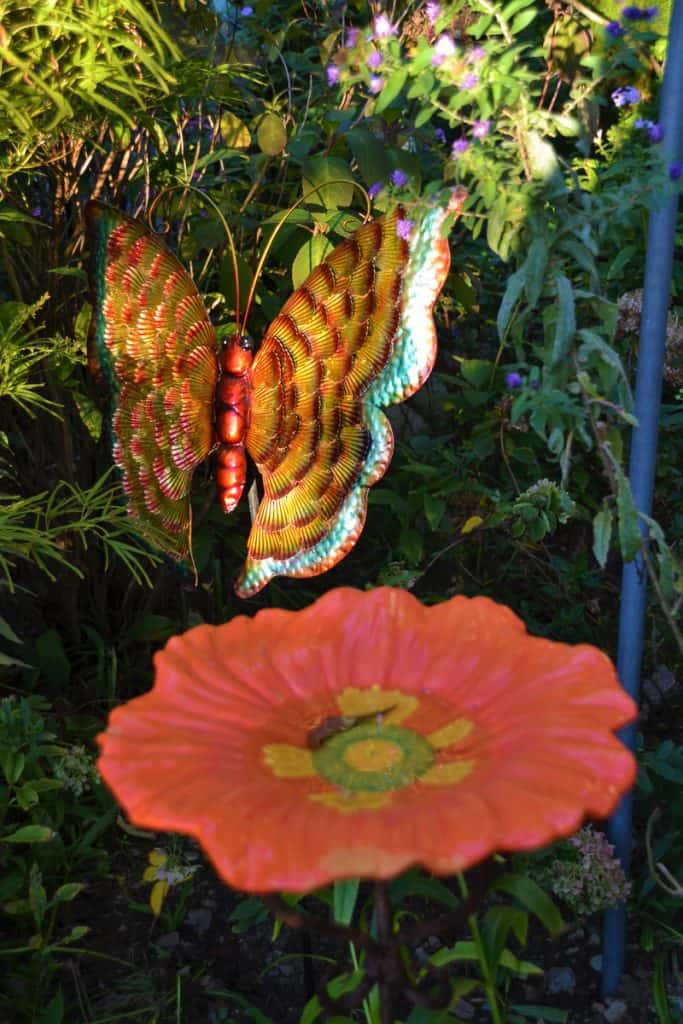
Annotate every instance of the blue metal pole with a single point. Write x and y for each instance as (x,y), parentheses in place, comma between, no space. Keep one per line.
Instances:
(658,265)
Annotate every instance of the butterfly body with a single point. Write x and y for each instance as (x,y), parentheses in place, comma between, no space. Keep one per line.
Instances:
(356,336)
(231,417)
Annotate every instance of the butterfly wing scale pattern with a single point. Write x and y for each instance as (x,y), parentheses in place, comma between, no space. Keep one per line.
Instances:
(357,335)
(152,342)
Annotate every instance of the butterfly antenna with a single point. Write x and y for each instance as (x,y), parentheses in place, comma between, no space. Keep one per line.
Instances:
(283,220)
(228,234)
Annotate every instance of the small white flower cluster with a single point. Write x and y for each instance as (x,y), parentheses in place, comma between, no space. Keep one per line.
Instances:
(76,770)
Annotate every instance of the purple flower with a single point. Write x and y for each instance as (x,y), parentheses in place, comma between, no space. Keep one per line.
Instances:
(440,135)
(375,189)
(675,170)
(375,59)
(460,145)
(404,228)
(614,29)
(352,35)
(631,13)
(625,95)
(332,72)
(513,380)
(470,80)
(432,10)
(476,54)
(480,129)
(376,83)
(639,13)
(383,27)
(399,178)
(444,47)
(36,212)
(655,131)
(246,12)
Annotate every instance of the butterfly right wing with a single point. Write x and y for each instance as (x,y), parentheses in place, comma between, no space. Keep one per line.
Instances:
(356,336)
(152,342)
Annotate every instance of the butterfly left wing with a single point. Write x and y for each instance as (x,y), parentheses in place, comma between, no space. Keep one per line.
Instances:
(153,343)
(356,336)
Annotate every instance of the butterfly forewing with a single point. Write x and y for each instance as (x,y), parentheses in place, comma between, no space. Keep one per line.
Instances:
(316,439)
(153,343)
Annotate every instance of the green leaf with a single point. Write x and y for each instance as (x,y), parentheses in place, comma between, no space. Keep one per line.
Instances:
(565,322)
(30,834)
(51,659)
(53,1013)
(319,171)
(309,256)
(542,157)
(532,898)
(513,290)
(67,892)
(344,895)
(602,535)
(434,509)
(523,19)
(7,632)
(534,270)
(659,993)
(371,155)
(629,528)
(548,1014)
(477,372)
(271,134)
(235,133)
(391,89)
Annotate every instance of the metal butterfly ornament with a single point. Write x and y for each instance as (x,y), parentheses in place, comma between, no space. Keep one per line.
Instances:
(356,336)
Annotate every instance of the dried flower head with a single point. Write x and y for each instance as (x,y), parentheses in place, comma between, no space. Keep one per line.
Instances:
(585,873)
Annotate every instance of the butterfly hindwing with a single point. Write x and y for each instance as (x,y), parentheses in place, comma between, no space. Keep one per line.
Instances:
(152,341)
(356,336)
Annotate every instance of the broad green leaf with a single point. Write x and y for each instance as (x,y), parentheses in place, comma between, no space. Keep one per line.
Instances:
(271,134)
(629,528)
(320,171)
(602,534)
(542,157)
(370,153)
(477,372)
(534,270)
(391,89)
(523,19)
(30,834)
(509,302)
(51,658)
(308,257)
(235,133)
(565,322)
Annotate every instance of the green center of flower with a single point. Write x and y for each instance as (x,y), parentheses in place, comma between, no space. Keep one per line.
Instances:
(373,757)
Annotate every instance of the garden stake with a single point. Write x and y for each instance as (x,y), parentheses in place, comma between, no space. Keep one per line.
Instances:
(657,284)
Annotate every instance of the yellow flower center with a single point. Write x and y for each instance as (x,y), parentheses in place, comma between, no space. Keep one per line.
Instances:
(373,755)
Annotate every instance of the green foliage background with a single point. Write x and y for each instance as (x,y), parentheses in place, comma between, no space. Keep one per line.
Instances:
(517,490)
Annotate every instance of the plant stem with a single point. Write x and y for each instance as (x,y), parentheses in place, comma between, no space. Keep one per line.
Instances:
(384,934)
